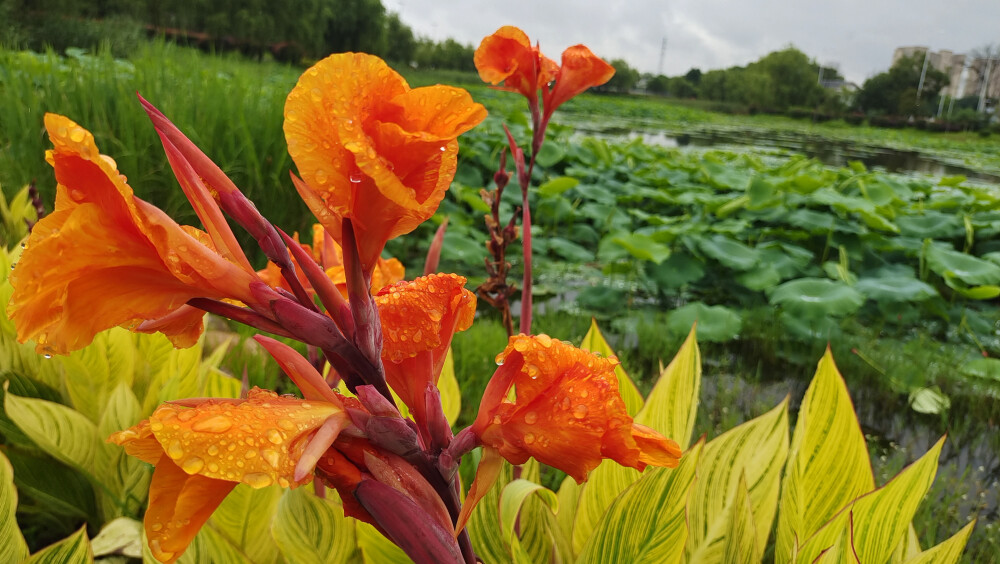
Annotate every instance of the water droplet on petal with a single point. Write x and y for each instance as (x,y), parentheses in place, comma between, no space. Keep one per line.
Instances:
(321,177)
(213,450)
(214,424)
(580,411)
(530,417)
(193,465)
(258,480)
(187,415)
(155,425)
(272,457)
(156,527)
(286,424)
(213,467)
(175,450)
(47,355)
(355,178)
(529,438)
(275,436)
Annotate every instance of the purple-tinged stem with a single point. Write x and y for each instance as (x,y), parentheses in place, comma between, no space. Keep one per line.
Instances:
(329,295)
(240,314)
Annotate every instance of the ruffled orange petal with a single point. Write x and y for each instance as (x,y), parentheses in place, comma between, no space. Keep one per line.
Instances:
(419,319)
(566,411)
(580,70)
(370,149)
(105,258)
(179,505)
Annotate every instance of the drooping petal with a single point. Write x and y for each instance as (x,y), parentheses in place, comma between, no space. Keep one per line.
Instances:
(566,412)
(507,56)
(580,70)
(105,258)
(179,505)
(371,149)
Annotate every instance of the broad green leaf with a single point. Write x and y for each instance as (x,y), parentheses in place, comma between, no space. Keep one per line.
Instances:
(244,519)
(65,493)
(121,536)
(512,498)
(594,341)
(603,485)
(646,523)
(569,250)
(376,549)
(741,539)
(673,403)
(730,253)
(907,548)
(126,478)
(74,549)
(63,433)
(312,530)
(948,552)
(756,449)
(557,186)
(451,395)
(895,289)
(12,545)
(967,268)
(642,247)
(217,384)
(880,518)
(715,323)
(815,297)
(677,271)
(208,546)
(569,499)
(828,465)
(178,377)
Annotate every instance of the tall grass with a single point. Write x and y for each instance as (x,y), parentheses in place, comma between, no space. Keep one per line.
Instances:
(230,107)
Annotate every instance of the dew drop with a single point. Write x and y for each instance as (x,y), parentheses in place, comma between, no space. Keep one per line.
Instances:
(529,438)
(213,467)
(156,527)
(355,178)
(272,457)
(77,135)
(213,450)
(584,393)
(321,177)
(441,149)
(530,417)
(187,415)
(214,424)
(155,425)
(175,450)
(47,355)
(257,480)
(13,265)
(250,454)
(193,465)
(275,436)
(496,419)
(580,411)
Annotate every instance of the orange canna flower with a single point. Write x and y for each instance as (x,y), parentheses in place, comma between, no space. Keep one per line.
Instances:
(105,258)
(419,319)
(372,150)
(566,411)
(201,453)
(580,70)
(507,56)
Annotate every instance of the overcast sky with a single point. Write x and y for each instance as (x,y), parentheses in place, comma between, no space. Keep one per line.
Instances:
(858,35)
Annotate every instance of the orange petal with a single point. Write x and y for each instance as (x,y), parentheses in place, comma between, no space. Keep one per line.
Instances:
(257,441)
(486,475)
(102,242)
(138,441)
(179,504)
(580,70)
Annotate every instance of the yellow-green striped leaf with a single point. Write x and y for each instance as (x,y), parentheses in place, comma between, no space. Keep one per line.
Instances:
(312,530)
(176,378)
(948,552)
(880,518)
(208,546)
(672,405)
(512,499)
(61,432)
(758,449)
(828,465)
(646,524)
(569,500)
(907,548)
(74,549)
(244,519)
(594,341)
(741,539)
(451,396)
(121,536)
(603,485)
(484,524)
(376,549)
(217,384)
(12,545)
(126,478)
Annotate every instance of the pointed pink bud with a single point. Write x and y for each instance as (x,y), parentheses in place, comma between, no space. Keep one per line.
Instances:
(328,293)
(375,403)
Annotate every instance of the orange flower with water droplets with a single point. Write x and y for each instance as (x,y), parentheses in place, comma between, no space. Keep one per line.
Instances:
(369,148)
(419,319)
(201,453)
(566,412)
(105,258)
(508,57)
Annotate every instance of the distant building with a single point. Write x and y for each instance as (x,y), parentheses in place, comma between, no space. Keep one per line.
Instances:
(965,74)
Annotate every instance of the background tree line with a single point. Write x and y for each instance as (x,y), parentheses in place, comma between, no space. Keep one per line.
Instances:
(291,30)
